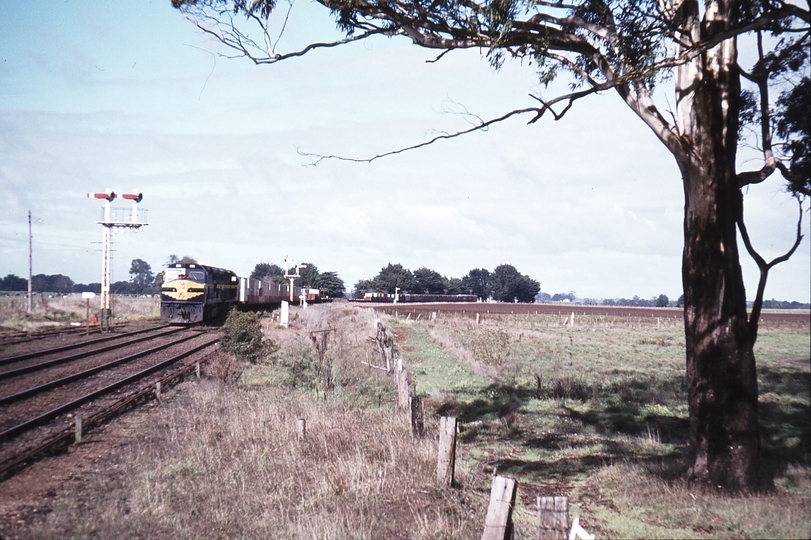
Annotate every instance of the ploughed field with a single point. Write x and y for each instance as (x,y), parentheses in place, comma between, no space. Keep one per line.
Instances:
(484,308)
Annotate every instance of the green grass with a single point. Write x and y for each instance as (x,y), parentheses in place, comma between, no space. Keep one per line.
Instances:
(598,412)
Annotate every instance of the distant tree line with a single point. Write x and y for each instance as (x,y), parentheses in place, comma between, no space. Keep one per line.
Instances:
(328,283)
(504,283)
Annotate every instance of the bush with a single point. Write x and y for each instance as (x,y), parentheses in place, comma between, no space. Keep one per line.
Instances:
(242,335)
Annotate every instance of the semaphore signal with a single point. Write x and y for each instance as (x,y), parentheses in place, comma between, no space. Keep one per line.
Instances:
(116,220)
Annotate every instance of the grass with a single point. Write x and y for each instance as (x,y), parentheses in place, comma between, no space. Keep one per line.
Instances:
(52,311)
(596,412)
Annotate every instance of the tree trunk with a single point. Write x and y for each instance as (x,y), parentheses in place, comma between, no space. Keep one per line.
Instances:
(722,383)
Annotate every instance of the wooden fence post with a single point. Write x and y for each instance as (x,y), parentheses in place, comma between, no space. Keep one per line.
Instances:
(301,428)
(402,388)
(553,518)
(446,454)
(158,390)
(77,427)
(498,524)
(417,424)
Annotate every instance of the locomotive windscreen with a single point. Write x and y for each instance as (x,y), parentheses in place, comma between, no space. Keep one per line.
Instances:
(197,275)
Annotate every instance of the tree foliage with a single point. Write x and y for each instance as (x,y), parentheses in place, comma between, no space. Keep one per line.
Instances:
(141,277)
(13,283)
(509,285)
(267,270)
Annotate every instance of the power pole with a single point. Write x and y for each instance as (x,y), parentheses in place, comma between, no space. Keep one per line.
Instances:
(115,220)
(30,271)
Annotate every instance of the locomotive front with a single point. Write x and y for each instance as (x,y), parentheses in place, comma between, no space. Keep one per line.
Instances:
(194,293)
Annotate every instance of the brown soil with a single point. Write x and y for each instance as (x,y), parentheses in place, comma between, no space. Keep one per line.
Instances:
(28,497)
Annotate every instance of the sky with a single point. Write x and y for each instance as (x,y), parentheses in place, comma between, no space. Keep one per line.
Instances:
(130,96)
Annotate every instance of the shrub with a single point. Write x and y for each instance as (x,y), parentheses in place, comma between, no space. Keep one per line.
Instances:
(242,335)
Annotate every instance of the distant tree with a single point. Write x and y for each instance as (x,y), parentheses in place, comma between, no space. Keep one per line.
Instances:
(123,287)
(13,283)
(477,282)
(394,276)
(427,281)
(560,297)
(662,301)
(455,286)
(267,270)
(363,286)
(331,285)
(309,276)
(89,287)
(56,283)
(509,285)
(141,277)
(173,259)
(543,297)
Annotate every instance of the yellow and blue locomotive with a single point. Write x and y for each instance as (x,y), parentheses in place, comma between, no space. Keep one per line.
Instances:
(195,293)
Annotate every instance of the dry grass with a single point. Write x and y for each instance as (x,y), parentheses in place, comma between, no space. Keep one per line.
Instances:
(58,311)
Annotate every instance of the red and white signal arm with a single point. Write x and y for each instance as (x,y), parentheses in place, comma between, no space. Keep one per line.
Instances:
(137,197)
(109,196)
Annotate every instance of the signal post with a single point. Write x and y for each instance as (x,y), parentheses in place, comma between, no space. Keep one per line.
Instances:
(115,220)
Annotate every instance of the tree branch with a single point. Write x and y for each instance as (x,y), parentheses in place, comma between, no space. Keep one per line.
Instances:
(765,267)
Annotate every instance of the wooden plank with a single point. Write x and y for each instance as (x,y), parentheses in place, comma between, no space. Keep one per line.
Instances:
(553,518)
(446,453)
(498,524)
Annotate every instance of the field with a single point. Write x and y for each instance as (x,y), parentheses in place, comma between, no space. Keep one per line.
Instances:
(57,311)
(594,411)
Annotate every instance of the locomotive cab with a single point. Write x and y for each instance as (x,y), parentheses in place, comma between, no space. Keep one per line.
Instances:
(193,293)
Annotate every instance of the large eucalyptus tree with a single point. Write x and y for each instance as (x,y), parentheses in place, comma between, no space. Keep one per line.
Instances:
(627,47)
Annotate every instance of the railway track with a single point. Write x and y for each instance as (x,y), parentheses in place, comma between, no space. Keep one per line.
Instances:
(16,337)
(44,395)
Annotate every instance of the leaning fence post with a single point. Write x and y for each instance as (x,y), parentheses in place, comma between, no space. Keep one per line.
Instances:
(553,518)
(446,453)
(498,524)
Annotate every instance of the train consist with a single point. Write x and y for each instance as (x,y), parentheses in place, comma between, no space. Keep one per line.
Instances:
(414,298)
(194,293)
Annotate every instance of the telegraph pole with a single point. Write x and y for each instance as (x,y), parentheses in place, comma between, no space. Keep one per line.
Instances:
(115,220)
(30,271)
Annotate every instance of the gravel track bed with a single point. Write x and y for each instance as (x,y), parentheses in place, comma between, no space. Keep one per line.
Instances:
(36,343)
(14,384)
(26,409)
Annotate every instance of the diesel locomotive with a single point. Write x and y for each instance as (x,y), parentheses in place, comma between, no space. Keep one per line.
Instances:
(194,293)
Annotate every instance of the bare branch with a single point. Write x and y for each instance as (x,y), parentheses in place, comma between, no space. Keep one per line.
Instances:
(478,127)
(765,267)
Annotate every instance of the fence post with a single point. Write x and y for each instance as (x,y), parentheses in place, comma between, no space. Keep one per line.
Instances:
(417,425)
(498,524)
(301,428)
(402,388)
(553,518)
(77,427)
(446,453)
(158,390)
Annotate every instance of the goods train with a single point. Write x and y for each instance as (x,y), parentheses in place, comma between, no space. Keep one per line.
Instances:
(194,293)
(412,298)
